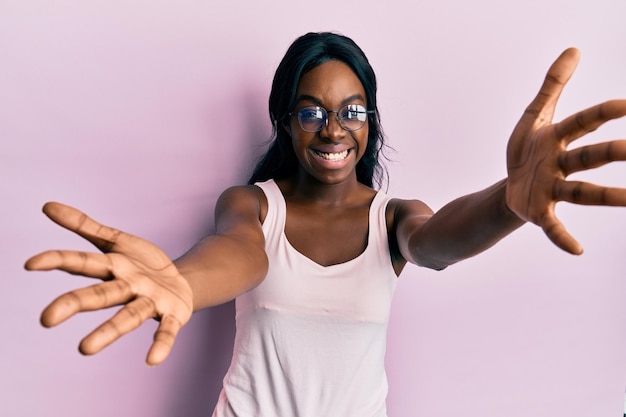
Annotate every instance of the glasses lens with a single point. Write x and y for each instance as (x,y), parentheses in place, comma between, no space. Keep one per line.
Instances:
(352,116)
(312,119)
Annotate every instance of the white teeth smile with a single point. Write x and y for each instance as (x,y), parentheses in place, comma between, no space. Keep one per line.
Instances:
(334,156)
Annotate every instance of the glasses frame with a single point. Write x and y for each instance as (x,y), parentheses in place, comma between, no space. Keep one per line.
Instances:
(326,116)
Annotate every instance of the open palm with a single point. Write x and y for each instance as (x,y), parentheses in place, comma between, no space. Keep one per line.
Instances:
(538,160)
(135,273)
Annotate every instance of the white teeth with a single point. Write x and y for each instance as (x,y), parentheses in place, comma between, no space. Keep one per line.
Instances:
(335,156)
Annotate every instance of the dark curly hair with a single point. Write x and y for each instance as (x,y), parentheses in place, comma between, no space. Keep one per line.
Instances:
(304,54)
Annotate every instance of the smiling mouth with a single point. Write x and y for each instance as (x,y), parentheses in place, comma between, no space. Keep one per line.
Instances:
(332,156)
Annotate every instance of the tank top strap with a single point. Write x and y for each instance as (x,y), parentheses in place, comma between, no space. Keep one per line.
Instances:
(378,240)
(275,219)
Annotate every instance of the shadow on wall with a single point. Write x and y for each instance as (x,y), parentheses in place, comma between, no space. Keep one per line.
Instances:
(196,391)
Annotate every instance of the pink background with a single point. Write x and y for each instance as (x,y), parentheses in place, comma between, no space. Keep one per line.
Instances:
(141,112)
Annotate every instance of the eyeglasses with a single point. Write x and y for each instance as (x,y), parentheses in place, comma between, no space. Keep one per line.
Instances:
(314,118)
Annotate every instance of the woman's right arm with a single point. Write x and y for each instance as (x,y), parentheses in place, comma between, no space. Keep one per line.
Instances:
(223,266)
(141,278)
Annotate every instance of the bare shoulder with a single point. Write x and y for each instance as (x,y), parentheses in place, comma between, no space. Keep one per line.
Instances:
(400,210)
(242,203)
(403,217)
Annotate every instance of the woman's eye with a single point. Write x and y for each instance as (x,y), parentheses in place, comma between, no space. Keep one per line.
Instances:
(311,114)
(352,114)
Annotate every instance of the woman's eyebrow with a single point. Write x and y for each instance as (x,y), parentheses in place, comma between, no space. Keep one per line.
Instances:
(353,97)
(306,97)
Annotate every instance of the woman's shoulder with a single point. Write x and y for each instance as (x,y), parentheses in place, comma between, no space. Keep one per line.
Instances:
(243,198)
(242,192)
(400,206)
(399,209)
(401,212)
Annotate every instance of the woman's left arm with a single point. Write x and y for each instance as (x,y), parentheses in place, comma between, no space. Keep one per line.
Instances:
(538,163)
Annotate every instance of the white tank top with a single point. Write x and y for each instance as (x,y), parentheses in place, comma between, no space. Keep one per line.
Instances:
(311,339)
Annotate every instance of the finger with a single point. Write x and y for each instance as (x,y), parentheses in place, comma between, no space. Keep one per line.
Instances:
(592,156)
(543,105)
(95,297)
(103,237)
(584,193)
(588,120)
(124,321)
(163,340)
(557,233)
(95,265)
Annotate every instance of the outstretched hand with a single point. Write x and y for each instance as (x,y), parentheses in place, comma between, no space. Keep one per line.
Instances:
(135,274)
(538,160)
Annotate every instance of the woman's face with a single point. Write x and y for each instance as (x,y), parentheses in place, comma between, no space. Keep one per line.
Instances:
(331,154)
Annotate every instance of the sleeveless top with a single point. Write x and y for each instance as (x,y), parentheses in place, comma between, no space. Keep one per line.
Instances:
(310,339)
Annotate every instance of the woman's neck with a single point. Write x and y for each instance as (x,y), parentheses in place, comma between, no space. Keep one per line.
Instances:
(304,187)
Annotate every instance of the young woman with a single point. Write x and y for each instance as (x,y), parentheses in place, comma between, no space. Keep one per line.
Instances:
(311,252)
